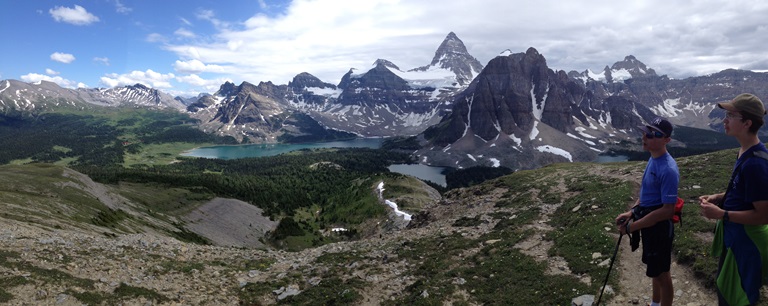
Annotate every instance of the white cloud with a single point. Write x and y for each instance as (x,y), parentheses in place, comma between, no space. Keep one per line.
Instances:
(327,37)
(210,16)
(209,86)
(49,71)
(102,60)
(76,16)
(34,78)
(156,37)
(122,9)
(149,78)
(196,66)
(182,32)
(65,58)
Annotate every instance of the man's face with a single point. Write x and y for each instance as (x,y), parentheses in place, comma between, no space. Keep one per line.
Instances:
(733,123)
(654,140)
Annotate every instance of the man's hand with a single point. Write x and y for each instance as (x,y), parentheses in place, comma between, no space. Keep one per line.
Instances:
(710,210)
(712,198)
(622,220)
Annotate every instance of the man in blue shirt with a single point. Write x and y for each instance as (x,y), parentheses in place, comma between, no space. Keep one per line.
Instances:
(741,236)
(654,209)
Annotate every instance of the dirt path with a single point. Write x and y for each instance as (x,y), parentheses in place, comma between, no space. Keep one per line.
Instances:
(636,287)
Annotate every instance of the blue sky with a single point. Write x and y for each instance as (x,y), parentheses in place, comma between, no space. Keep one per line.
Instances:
(191,46)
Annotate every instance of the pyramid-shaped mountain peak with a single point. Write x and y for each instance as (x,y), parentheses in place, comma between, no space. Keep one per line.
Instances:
(451,46)
(633,66)
(452,55)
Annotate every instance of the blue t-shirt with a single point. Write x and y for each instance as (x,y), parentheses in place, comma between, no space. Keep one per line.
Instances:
(660,181)
(751,182)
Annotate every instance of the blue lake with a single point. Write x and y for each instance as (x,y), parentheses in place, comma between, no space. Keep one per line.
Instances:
(423,172)
(611,158)
(262,150)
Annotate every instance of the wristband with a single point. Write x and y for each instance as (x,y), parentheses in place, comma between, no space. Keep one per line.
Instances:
(725,216)
(627,229)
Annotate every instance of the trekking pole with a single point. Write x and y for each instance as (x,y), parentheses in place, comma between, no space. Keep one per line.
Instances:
(605,283)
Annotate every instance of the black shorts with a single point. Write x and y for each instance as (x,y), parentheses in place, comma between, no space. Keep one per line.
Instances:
(657,247)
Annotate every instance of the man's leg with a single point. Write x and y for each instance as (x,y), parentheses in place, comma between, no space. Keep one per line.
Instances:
(663,293)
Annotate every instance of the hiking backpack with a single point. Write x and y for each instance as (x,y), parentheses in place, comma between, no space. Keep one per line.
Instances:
(678,216)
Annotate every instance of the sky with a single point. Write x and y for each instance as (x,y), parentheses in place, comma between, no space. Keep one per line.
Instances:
(185,47)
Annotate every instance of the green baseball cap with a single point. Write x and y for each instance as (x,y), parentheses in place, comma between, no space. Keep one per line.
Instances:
(745,102)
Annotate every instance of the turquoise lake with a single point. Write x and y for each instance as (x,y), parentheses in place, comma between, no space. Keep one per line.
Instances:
(424,172)
(262,150)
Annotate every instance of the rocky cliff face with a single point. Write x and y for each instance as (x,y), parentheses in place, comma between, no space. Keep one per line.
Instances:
(519,113)
(247,112)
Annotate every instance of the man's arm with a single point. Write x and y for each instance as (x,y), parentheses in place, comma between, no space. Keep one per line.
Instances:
(756,216)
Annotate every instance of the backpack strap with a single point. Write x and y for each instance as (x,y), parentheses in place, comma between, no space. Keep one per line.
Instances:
(761,154)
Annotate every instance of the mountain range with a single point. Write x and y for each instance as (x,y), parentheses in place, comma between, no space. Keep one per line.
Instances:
(515,111)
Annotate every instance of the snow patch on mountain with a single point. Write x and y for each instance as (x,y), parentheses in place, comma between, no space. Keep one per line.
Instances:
(620,75)
(326,92)
(582,132)
(427,77)
(506,52)
(538,109)
(556,151)
(469,116)
(415,119)
(219,100)
(517,141)
(591,143)
(668,108)
(595,76)
(534,131)
(671,108)
(7,85)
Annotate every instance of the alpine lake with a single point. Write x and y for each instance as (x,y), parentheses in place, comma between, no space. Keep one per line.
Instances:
(424,172)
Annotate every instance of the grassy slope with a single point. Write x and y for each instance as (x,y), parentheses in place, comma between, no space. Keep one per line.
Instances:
(44,195)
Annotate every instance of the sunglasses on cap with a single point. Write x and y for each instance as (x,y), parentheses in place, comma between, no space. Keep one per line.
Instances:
(654,134)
